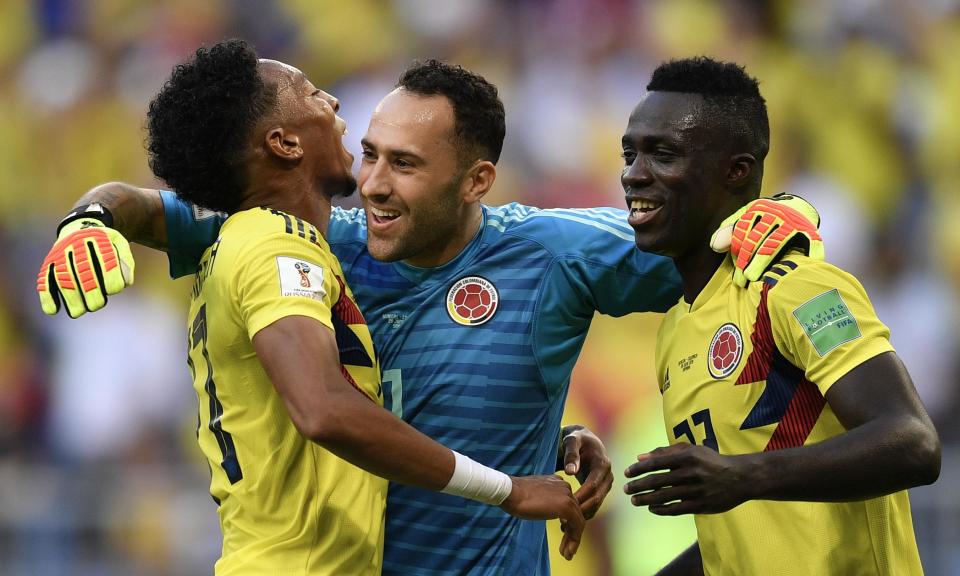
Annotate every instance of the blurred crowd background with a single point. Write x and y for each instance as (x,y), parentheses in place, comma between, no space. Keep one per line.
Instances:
(99,470)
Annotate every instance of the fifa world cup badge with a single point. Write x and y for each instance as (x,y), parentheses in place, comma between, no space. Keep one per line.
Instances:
(472,301)
(303,268)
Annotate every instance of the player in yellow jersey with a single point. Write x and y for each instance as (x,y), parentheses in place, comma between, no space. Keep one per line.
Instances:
(794,427)
(291,417)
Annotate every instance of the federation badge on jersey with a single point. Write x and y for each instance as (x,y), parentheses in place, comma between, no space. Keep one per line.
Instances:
(300,278)
(725,351)
(472,300)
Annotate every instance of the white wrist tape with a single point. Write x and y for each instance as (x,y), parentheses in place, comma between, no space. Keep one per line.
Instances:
(475,481)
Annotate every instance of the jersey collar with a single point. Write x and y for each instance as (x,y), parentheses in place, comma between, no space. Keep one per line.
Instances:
(720,280)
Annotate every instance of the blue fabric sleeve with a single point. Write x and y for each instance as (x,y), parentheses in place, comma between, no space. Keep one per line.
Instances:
(190,230)
(597,268)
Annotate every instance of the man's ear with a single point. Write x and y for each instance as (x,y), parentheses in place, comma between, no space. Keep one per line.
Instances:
(478,180)
(741,170)
(283,144)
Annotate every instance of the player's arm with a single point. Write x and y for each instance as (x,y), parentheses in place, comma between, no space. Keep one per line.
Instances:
(91,258)
(889,442)
(890,445)
(688,563)
(583,455)
(300,356)
(137,212)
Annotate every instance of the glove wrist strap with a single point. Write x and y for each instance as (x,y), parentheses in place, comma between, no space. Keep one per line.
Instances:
(96,210)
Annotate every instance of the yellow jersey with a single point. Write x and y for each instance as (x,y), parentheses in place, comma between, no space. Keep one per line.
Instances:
(746,370)
(286,505)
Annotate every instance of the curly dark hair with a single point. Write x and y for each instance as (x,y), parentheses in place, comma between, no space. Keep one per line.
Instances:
(480,124)
(733,96)
(199,123)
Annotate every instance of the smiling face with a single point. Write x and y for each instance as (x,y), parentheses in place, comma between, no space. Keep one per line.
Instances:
(412,182)
(679,178)
(309,118)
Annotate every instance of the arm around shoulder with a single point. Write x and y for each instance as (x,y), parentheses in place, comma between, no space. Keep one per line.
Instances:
(137,212)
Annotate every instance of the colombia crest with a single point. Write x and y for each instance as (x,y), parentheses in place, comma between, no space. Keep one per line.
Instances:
(472,300)
(725,351)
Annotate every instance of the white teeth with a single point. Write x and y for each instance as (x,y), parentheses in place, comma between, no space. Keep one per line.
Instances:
(384,213)
(643,205)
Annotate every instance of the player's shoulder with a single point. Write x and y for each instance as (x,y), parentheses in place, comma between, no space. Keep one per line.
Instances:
(259,228)
(560,226)
(797,279)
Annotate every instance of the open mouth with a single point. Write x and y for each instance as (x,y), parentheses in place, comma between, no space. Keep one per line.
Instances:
(383,217)
(642,211)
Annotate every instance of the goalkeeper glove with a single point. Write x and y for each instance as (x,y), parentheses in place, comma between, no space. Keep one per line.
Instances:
(88,261)
(759,232)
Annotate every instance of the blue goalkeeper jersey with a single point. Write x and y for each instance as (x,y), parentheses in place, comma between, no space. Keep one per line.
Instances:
(477,354)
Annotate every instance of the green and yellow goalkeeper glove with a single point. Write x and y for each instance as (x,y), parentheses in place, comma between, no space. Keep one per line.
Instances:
(756,234)
(89,261)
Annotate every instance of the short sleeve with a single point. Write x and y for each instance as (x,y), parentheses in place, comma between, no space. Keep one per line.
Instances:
(824,322)
(283,275)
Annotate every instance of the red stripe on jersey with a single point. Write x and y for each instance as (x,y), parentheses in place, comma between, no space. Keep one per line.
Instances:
(758,364)
(799,419)
(346,308)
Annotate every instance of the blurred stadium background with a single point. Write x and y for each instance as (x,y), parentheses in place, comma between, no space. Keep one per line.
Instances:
(99,473)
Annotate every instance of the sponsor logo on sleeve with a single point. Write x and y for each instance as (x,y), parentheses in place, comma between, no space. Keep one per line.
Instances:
(725,351)
(300,278)
(472,300)
(827,321)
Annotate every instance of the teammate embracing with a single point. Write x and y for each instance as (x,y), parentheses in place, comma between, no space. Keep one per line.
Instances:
(795,430)
(478,312)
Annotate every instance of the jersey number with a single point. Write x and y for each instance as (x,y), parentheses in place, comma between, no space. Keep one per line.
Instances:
(230,464)
(393,390)
(699,418)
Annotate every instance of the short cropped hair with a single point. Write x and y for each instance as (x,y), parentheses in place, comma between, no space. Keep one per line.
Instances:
(733,96)
(199,124)
(480,124)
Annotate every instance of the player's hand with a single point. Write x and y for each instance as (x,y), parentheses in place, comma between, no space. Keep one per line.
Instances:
(756,234)
(687,479)
(88,262)
(585,457)
(545,498)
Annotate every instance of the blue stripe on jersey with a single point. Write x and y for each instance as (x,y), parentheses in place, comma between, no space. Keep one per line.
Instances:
(494,391)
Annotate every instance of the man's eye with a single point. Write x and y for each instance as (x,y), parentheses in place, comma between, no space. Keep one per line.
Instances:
(663,153)
(628,156)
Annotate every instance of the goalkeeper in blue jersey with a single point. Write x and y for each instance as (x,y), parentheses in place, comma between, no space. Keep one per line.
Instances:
(478,312)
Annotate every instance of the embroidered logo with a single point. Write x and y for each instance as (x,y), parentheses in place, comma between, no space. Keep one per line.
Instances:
(472,300)
(300,278)
(725,351)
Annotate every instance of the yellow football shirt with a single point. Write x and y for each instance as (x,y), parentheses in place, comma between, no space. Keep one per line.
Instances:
(746,370)
(286,505)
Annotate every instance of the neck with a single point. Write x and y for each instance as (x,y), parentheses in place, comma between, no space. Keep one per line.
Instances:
(696,268)
(294,198)
(463,234)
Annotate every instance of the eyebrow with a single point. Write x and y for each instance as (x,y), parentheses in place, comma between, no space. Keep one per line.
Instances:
(393,151)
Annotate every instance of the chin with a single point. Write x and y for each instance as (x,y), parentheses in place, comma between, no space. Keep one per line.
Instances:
(653,244)
(382,251)
(343,186)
